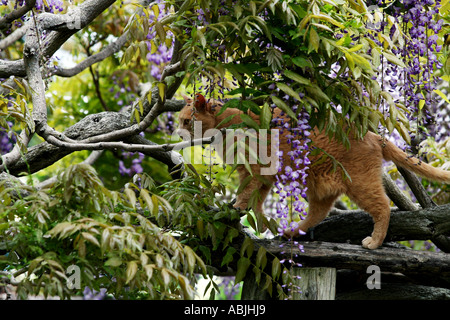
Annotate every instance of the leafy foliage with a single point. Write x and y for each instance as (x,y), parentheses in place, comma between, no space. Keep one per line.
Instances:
(148,237)
(115,245)
(277,48)
(118,240)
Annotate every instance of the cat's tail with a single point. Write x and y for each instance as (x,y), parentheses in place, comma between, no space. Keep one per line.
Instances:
(393,153)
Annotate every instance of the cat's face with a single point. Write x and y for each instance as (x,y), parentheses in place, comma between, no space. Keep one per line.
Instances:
(195,110)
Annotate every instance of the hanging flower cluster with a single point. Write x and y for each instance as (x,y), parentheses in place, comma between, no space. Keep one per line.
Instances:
(162,55)
(7,140)
(420,56)
(291,178)
(291,182)
(136,164)
(415,32)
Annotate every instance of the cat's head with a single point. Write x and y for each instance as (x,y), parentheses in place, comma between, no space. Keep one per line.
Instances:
(196,110)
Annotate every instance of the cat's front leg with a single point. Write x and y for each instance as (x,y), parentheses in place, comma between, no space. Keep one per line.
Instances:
(318,210)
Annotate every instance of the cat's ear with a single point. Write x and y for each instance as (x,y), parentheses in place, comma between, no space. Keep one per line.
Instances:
(187,99)
(200,104)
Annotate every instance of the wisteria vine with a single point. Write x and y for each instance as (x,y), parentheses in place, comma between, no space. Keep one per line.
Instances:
(413,86)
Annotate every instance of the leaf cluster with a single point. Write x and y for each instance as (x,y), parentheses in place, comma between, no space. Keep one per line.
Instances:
(212,228)
(113,242)
(312,54)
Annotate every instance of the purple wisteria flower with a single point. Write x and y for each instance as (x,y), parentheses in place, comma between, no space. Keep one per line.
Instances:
(136,164)
(291,179)
(89,294)
(7,140)
(163,54)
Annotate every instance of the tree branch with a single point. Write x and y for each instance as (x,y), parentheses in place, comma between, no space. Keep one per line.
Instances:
(396,195)
(65,25)
(6,20)
(14,36)
(417,188)
(106,52)
(44,154)
(424,224)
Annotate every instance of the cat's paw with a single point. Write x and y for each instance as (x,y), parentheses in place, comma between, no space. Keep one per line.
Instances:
(370,243)
(292,233)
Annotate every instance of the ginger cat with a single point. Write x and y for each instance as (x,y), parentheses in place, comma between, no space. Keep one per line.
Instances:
(363,162)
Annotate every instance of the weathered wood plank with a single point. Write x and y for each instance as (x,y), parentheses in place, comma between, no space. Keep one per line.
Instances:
(355,257)
(353,226)
(314,283)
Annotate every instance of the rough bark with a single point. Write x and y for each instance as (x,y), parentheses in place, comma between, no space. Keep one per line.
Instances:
(352,226)
(429,267)
(351,285)
(64,26)
(44,154)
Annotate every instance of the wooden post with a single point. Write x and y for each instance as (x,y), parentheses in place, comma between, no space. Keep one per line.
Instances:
(315,283)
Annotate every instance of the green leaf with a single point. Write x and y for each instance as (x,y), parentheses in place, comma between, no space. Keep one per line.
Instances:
(288,90)
(137,116)
(403,132)
(243,184)
(276,268)
(149,270)
(261,258)
(89,237)
(165,276)
(265,117)
(113,262)
(246,105)
(328,19)
(268,284)
(393,59)
(201,37)
(160,31)
(226,120)
(257,273)
(350,61)
(442,95)
(147,198)
(233,103)
(283,106)
(154,47)
(228,256)
(356,48)
(314,40)
(302,62)
(242,266)
(162,90)
(249,121)
(143,49)
(131,196)
(155,9)
(317,93)
(155,204)
(275,59)
(190,257)
(296,77)
(131,271)
(251,221)
(362,62)
(247,247)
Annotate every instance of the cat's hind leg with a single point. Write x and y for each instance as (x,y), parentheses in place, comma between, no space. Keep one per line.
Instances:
(372,199)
